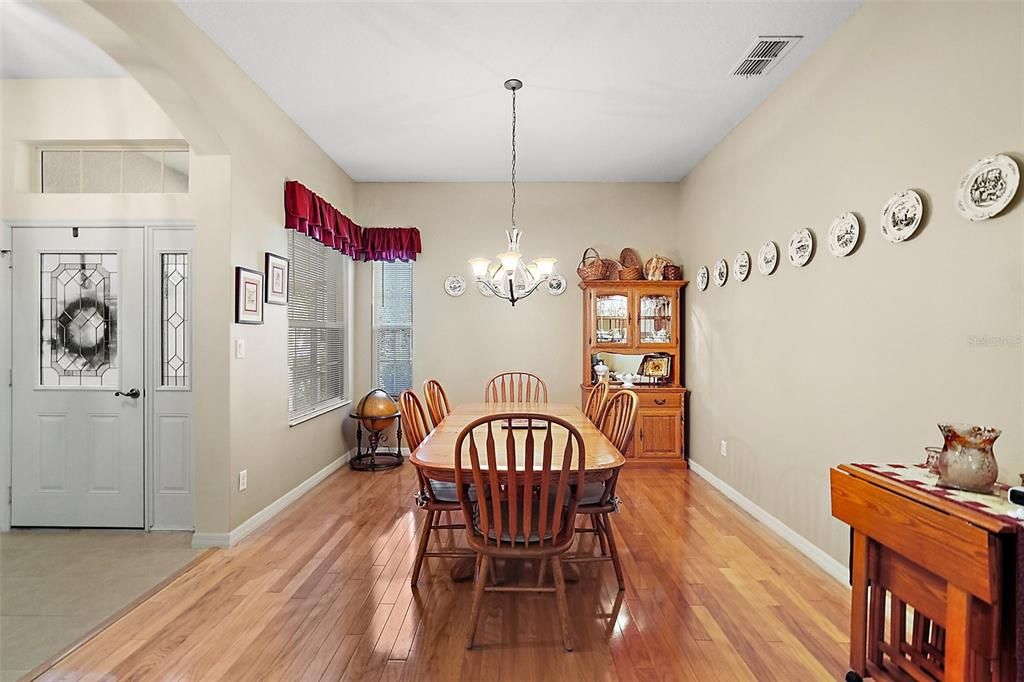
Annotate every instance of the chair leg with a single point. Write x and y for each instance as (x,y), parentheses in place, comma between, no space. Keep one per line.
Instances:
(428,524)
(478,594)
(563,606)
(596,523)
(541,570)
(613,550)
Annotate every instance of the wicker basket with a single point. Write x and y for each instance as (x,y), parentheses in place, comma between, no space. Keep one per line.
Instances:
(652,269)
(592,267)
(631,274)
(630,258)
(672,272)
(612,268)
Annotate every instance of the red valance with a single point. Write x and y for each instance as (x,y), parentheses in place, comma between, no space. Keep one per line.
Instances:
(310,214)
(391,243)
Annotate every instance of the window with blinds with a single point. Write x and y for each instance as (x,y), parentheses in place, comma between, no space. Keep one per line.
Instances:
(392,326)
(317,328)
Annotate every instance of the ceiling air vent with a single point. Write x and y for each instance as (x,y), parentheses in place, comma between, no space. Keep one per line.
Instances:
(764,54)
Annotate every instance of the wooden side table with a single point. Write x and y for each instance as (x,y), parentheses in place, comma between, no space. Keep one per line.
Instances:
(949,560)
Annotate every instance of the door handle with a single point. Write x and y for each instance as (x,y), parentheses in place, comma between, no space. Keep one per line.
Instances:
(132,393)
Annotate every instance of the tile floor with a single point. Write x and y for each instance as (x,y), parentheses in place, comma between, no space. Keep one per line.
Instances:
(57,584)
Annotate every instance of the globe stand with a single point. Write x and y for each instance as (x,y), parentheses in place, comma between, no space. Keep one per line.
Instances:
(372,459)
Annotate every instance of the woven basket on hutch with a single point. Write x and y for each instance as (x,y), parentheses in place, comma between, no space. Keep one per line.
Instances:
(592,267)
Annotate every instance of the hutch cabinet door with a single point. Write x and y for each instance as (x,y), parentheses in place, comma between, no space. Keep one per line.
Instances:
(657,434)
(657,317)
(611,318)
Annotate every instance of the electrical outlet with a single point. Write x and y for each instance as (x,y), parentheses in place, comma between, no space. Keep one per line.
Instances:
(243,480)
(239,348)
(724,448)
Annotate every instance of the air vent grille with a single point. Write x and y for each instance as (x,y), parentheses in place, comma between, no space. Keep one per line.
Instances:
(763,55)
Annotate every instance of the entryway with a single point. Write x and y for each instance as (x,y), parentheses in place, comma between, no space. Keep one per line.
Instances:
(101,380)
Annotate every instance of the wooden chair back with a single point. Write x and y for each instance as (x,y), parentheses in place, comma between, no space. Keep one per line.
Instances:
(438,406)
(618,418)
(516,387)
(414,422)
(415,428)
(541,499)
(595,403)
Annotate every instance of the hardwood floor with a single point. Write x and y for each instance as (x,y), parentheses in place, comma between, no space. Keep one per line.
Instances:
(322,592)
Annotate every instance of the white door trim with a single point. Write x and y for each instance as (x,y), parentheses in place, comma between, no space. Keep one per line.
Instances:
(6,342)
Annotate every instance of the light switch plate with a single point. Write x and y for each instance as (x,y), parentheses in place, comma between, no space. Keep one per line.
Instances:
(239,348)
(724,448)
(243,480)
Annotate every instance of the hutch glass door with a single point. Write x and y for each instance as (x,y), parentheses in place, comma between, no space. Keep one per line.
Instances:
(611,319)
(655,319)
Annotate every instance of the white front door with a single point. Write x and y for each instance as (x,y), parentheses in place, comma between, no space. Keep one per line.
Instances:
(78,454)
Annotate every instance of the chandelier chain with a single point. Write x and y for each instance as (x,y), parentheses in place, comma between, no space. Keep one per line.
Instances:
(513,158)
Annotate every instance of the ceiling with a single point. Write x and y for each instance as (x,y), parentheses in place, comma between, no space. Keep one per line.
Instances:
(35,44)
(413,91)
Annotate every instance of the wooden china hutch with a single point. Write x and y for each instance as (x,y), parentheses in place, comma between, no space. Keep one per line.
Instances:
(635,327)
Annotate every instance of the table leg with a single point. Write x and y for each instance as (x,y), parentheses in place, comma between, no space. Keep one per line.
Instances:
(464,569)
(958,635)
(859,606)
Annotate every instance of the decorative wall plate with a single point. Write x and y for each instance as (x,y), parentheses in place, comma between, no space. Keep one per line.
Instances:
(702,278)
(556,285)
(741,266)
(987,187)
(455,285)
(721,272)
(484,291)
(902,216)
(843,235)
(801,247)
(768,258)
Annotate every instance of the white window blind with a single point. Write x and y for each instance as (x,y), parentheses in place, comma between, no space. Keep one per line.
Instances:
(392,326)
(317,327)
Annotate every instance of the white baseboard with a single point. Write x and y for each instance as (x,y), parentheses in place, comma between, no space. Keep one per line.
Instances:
(204,540)
(824,560)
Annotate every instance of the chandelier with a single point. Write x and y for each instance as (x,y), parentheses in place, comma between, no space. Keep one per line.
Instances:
(509,278)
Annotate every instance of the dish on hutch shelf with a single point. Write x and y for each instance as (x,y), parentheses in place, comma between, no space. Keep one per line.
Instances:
(656,366)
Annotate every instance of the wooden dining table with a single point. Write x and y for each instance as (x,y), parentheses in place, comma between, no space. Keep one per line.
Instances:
(435,456)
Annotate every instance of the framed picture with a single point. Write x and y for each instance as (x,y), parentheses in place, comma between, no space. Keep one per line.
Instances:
(248,296)
(276,270)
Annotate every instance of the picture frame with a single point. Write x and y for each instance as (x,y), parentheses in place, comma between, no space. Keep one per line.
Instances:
(276,271)
(248,296)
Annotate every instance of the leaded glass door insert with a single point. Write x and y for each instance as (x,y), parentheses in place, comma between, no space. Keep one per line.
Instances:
(611,319)
(78,306)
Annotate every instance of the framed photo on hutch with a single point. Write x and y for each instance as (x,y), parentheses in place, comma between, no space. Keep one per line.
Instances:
(276,270)
(248,296)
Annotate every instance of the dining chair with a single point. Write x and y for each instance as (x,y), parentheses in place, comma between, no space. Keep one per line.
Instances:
(438,406)
(434,497)
(529,516)
(617,422)
(516,387)
(595,401)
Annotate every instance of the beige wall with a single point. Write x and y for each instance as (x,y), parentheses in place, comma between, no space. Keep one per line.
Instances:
(856,359)
(464,341)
